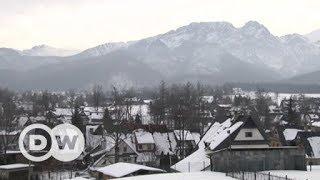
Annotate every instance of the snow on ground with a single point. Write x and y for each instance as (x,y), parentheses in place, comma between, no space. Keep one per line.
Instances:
(290,134)
(299,175)
(315,145)
(195,162)
(183,176)
(276,97)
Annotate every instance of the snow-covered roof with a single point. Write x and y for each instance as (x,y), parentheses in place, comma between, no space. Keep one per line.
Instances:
(142,156)
(21,121)
(81,178)
(225,105)
(314,116)
(37,118)
(96,115)
(143,137)
(165,143)
(93,109)
(215,135)
(15,166)
(147,101)
(223,134)
(290,133)
(11,133)
(63,111)
(317,124)
(13,152)
(315,145)
(65,119)
(207,99)
(123,169)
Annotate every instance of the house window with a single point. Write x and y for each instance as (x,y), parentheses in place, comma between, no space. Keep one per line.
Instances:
(248,134)
(91,130)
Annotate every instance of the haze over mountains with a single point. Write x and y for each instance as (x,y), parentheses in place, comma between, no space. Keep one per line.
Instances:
(314,36)
(211,52)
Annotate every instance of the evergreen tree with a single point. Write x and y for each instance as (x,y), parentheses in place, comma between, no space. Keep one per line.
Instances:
(77,120)
(107,120)
(292,115)
(138,119)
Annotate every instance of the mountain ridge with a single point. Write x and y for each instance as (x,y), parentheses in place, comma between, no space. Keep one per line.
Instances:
(213,52)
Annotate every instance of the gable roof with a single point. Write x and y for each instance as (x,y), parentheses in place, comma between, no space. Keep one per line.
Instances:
(310,142)
(227,136)
(124,169)
(143,137)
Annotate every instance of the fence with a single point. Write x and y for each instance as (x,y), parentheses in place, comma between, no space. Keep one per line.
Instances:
(191,166)
(255,176)
(51,175)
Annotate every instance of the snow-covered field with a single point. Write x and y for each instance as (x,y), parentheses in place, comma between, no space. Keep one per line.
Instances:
(299,175)
(275,97)
(208,175)
(183,176)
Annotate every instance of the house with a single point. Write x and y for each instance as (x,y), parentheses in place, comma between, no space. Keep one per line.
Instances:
(63,114)
(15,171)
(310,141)
(96,118)
(245,147)
(198,160)
(287,134)
(101,148)
(144,141)
(106,153)
(11,139)
(120,170)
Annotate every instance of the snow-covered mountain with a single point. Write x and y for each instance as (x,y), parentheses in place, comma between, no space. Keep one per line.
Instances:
(212,52)
(45,50)
(102,49)
(253,43)
(314,36)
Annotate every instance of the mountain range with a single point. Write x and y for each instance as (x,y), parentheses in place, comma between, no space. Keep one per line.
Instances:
(210,52)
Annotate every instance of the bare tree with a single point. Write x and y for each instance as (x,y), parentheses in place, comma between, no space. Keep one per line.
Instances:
(7,116)
(159,106)
(97,96)
(114,119)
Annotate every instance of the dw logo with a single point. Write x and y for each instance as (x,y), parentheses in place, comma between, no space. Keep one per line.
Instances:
(64,142)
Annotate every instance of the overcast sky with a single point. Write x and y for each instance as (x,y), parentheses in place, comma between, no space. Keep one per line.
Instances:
(80,24)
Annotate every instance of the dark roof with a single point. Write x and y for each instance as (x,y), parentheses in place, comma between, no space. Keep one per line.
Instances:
(280,129)
(302,138)
(248,122)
